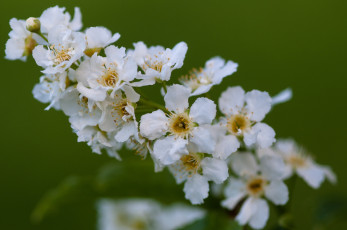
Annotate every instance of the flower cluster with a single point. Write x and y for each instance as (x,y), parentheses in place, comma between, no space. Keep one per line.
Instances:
(132,214)
(96,84)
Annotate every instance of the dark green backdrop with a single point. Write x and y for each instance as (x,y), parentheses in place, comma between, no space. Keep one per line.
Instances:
(296,43)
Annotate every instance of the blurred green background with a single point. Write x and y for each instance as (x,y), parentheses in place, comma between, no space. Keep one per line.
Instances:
(300,44)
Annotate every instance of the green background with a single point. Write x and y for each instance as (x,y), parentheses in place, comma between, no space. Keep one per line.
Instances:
(300,44)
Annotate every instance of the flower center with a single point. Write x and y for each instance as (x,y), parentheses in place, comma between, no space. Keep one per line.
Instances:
(296,160)
(109,79)
(30,44)
(180,125)
(195,79)
(191,162)
(256,186)
(238,124)
(62,54)
(120,112)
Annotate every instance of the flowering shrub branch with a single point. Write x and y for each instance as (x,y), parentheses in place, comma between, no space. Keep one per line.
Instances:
(97,85)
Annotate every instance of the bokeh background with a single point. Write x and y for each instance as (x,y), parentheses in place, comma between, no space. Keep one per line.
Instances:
(300,44)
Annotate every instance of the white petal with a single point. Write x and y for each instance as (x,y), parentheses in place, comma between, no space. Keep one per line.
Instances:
(235,187)
(196,189)
(169,150)
(225,146)
(265,135)
(247,211)
(229,68)
(14,49)
(273,167)
(128,130)
(201,89)
(214,169)
(258,104)
(277,192)
(93,94)
(131,93)
(330,175)
(176,98)
(40,55)
(153,125)
(203,111)
(97,37)
(244,164)
(76,23)
(282,97)
(261,214)
(313,175)
(203,140)
(178,55)
(231,100)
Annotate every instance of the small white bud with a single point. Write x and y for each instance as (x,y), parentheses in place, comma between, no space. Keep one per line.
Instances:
(33,25)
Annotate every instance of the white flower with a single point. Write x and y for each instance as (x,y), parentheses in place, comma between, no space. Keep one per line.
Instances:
(254,184)
(196,170)
(50,89)
(243,116)
(98,38)
(65,48)
(119,115)
(158,62)
(100,76)
(131,214)
(182,125)
(201,80)
(21,42)
(55,16)
(297,160)
(82,111)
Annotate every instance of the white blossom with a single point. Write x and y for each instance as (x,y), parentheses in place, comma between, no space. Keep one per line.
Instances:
(297,160)
(56,16)
(243,115)
(255,184)
(201,80)
(65,48)
(156,62)
(181,125)
(196,170)
(119,115)
(51,88)
(99,76)
(98,38)
(21,42)
(131,214)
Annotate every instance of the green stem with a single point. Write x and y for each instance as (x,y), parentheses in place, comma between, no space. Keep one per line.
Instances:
(42,36)
(152,104)
(164,86)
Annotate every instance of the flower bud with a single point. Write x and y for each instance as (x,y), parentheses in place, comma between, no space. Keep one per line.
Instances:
(33,25)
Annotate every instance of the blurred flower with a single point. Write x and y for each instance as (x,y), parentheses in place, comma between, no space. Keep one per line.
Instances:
(141,214)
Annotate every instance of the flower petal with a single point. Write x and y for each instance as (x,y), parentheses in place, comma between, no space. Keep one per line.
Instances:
(261,214)
(203,140)
(153,125)
(313,175)
(169,150)
(244,164)
(176,98)
(214,169)
(225,146)
(203,111)
(277,192)
(258,104)
(231,100)
(196,189)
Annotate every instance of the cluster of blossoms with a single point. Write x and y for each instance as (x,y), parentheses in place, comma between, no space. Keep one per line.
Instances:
(96,84)
(136,214)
